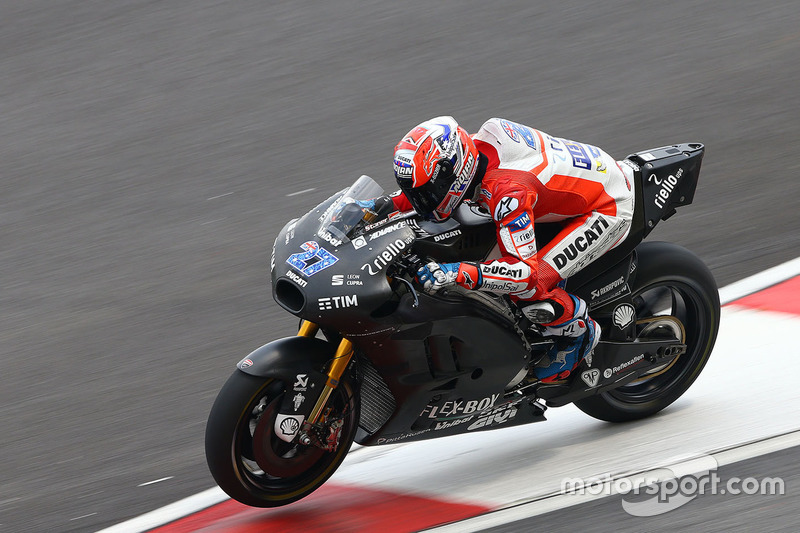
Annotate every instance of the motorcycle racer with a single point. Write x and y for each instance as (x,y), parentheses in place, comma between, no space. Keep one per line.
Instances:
(521,176)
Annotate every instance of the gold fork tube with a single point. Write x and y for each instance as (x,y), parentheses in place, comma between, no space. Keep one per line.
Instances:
(307,329)
(340,361)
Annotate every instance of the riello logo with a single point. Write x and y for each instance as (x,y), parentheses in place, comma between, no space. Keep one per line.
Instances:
(337,302)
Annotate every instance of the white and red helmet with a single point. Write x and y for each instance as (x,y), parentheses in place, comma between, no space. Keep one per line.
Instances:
(434,165)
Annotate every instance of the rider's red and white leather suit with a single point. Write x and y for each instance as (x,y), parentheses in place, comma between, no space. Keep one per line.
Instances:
(533,177)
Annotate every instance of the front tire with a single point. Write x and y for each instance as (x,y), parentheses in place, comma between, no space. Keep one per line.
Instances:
(250,463)
(674,294)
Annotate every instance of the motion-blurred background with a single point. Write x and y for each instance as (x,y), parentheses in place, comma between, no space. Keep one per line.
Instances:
(149,151)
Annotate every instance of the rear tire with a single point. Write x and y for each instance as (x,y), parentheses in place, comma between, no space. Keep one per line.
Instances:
(247,459)
(670,281)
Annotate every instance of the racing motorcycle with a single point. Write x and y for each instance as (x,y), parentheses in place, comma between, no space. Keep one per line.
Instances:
(378,361)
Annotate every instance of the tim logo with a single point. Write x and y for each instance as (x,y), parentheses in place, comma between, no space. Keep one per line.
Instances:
(337,302)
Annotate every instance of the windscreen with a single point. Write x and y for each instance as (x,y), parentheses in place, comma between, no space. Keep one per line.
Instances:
(346,214)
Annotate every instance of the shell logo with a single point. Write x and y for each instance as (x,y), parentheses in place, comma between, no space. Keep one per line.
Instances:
(623,315)
(289,426)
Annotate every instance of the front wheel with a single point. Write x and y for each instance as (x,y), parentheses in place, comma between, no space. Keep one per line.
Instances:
(675,297)
(250,463)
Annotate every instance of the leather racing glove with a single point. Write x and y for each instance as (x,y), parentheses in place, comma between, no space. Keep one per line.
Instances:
(435,276)
(381,206)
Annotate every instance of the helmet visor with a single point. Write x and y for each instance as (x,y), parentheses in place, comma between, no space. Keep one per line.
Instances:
(428,196)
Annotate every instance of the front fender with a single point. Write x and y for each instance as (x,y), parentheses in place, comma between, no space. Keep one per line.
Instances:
(289,357)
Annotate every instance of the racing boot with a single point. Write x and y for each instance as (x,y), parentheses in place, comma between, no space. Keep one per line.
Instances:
(540,312)
(575,340)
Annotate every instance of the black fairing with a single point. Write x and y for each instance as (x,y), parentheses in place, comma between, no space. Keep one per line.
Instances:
(349,296)
(668,178)
(452,352)
(469,235)
(445,350)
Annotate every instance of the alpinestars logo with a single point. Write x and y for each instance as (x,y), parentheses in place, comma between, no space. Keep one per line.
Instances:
(468,281)
(505,207)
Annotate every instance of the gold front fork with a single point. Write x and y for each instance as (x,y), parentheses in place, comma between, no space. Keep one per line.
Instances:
(307,329)
(340,361)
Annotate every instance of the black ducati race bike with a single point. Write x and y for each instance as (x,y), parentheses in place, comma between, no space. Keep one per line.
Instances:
(378,361)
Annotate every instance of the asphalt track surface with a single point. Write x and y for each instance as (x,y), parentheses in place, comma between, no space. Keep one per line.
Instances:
(147,150)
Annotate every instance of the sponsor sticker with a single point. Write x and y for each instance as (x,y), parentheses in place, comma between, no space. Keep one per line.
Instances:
(301,383)
(287,426)
(446,235)
(392,250)
(520,223)
(314,259)
(387,230)
(608,372)
(296,278)
(298,400)
(498,416)
(597,293)
(459,408)
(666,186)
(325,236)
(591,377)
(337,302)
(505,207)
(624,315)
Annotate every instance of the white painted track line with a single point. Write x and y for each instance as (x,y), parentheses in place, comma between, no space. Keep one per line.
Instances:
(760,281)
(170,513)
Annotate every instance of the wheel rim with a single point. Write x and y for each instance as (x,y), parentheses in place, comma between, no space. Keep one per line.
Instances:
(668,310)
(661,327)
(278,457)
(277,468)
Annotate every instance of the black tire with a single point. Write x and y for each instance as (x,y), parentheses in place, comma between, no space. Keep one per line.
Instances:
(241,445)
(666,274)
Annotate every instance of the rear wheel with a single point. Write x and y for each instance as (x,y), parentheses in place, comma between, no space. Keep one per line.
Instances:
(250,463)
(675,297)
